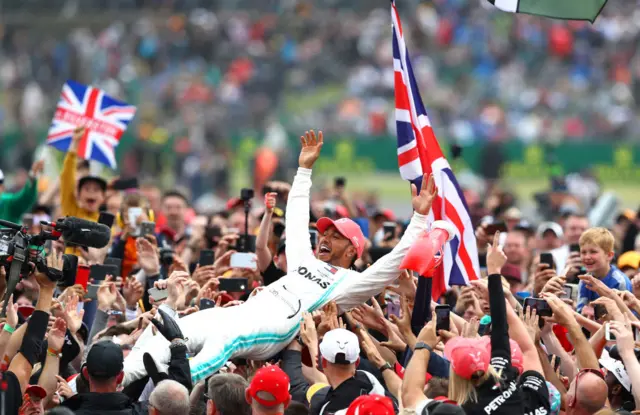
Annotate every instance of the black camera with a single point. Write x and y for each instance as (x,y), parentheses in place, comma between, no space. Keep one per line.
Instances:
(246,194)
(166,256)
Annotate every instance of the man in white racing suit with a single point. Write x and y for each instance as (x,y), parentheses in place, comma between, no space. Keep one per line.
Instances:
(268,321)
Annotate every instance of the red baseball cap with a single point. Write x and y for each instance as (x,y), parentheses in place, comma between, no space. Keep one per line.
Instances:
(36,390)
(467,356)
(371,405)
(347,228)
(273,381)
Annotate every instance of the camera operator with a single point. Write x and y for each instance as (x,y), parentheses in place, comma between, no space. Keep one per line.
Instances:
(32,334)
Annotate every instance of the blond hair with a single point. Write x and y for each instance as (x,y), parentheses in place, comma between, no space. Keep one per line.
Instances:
(600,237)
(463,390)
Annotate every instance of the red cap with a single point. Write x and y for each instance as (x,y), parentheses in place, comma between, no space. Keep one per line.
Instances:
(371,405)
(36,390)
(347,228)
(273,381)
(467,356)
(399,369)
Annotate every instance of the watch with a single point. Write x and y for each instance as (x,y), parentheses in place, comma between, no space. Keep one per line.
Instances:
(386,366)
(423,345)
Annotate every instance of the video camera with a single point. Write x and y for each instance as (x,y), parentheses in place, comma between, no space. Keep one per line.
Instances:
(21,252)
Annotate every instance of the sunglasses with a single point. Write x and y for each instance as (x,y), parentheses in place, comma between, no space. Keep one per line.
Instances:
(581,373)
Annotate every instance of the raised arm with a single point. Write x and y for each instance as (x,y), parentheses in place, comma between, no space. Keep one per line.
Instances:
(297,216)
(68,175)
(385,270)
(262,241)
(22,201)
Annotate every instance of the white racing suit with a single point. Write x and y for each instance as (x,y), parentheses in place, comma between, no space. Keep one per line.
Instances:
(269,321)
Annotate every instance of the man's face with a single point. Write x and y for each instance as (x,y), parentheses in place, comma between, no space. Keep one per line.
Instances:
(33,405)
(91,196)
(594,258)
(174,209)
(114,202)
(515,248)
(574,227)
(332,246)
(549,241)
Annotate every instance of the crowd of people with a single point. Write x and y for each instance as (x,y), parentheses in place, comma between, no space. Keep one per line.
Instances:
(282,303)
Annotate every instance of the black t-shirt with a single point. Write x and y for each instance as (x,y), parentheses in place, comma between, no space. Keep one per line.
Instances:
(526,395)
(12,395)
(272,274)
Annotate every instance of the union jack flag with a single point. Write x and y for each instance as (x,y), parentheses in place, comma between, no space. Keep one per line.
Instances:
(420,153)
(104,117)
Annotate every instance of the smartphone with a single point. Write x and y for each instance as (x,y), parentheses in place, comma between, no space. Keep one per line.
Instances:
(206,303)
(599,311)
(27,220)
(340,182)
(133,213)
(82,275)
(106,218)
(574,248)
(234,285)
(492,228)
(393,309)
(607,333)
(246,243)
(147,228)
(116,262)
(313,234)
(547,258)
(568,291)
(555,361)
(636,334)
(389,230)
(99,272)
(157,295)
(541,306)
(206,257)
(92,291)
(244,260)
(125,184)
(442,317)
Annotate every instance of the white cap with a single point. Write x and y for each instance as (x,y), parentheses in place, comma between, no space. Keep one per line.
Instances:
(340,346)
(1,176)
(549,226)
(617,368)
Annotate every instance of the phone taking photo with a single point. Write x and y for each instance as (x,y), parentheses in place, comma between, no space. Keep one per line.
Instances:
(206,303)
(244,260)
(233,285)
(547,258)
(608,335)
(389,230)
(540,305)
(206,257)
(107,218)
(147,228)
(443,317)
(157,295)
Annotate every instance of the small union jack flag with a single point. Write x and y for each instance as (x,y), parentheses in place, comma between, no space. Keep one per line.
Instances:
(104,117)
(419,153)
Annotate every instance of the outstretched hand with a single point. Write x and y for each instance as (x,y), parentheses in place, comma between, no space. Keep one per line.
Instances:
(168,328)
(422,202)
(311,146)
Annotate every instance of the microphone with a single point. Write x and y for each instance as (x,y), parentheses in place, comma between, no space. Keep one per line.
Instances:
(10,225)
(83,232)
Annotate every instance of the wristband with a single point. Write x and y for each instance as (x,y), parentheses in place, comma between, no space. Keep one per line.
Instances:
(422,345)
(386,366)
(53,353)
(8,328)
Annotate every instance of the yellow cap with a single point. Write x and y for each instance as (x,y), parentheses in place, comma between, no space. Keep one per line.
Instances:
(630,259)
(313,389)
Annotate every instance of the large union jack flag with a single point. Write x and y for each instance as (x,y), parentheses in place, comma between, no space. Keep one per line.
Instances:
(420,153)
(104,117)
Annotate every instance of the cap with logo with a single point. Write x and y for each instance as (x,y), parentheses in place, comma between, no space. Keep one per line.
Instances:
(467,356)
(36,390)
(105,360)
(270,386)
(347,228)
(340,346)
(616,367)
(549,226)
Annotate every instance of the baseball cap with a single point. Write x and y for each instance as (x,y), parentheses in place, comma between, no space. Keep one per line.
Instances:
(467,356)
(371,405)
(1,177)
(630,259)
(441,407)
(36,390)
(549,226)
(385,213)
(517,358)
(105,360)
(511,272)
(513,213)
(96,179)
(270,380)
(340,346)
(617,368)
(347,228)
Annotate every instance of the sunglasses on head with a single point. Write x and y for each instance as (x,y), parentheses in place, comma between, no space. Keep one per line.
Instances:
(581,373)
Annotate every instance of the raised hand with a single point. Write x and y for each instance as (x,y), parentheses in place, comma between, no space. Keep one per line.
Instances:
(311,146)
(308,331)
(422,202)
(107,294)
(12,313)
(270,201)
(406,285)
(57,333)
(37,168)
(168,327)
(132,291)
(72,317)
(496,257)
(148,256)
